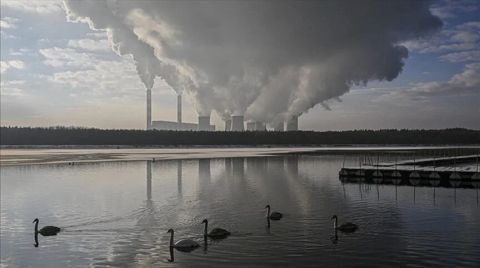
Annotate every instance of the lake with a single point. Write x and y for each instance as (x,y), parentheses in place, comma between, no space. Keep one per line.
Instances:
(118,214)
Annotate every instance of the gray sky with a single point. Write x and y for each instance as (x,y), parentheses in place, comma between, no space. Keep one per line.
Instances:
(59,71)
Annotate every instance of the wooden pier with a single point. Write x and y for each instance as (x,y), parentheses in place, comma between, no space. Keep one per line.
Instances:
(418,172)
(450,160)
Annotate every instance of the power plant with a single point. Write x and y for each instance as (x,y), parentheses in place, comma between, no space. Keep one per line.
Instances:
(149,108)
(292,124)
(203,121)
(234,123)
(228,124)
(256,126)
(237,123)
(279,126)
(251,126)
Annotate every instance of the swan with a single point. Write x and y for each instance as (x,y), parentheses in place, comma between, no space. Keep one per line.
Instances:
(274,215)
(346,227)
(47,230)
(185,245)
(216,233)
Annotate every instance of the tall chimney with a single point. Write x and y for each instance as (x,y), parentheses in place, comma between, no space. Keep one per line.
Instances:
(179,109)
(149,109)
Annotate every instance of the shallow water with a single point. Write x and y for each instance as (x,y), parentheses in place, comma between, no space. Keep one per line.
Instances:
(117,214)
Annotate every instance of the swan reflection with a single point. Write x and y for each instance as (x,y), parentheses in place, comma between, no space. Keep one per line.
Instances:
(36,240)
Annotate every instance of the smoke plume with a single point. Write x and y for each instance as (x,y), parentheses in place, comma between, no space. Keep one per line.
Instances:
(269,60)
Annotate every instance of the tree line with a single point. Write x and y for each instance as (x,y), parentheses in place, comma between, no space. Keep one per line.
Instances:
(93,136)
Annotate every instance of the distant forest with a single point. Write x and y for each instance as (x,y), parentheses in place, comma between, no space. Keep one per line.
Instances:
(92,136)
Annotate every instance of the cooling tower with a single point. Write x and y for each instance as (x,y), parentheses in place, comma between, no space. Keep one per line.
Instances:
(228,125)
(237,123)
(179,109)
(292,124)
(251,126)
(149,108)
(259,126)
(204,123)
(279,126)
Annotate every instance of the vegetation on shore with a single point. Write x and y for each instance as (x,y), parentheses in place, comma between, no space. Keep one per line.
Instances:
(93,136)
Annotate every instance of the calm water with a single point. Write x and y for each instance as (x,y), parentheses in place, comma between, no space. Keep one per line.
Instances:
(117,214)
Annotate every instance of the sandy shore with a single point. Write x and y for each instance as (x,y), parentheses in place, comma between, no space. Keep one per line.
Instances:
(9,157)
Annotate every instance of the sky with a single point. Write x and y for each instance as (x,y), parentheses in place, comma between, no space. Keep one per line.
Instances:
(58,70)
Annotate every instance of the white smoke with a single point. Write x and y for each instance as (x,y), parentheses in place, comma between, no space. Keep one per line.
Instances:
(109,16)
(269,60)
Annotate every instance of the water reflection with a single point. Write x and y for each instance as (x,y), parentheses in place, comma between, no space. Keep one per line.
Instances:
(414,183)
(228,166)
(172,255)
(445,183)
(117,215)
(179,177)
(132,242)
(149,180)
(35,237)
(238,168)
(334,238)
(204,174)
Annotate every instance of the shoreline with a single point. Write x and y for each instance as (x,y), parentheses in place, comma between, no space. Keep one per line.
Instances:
(273,146)
(95,154)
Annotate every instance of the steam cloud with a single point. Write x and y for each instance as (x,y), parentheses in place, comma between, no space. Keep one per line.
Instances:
(269,60)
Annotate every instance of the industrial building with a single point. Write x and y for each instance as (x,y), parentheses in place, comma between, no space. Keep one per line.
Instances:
(237,123)
(292,124)
(250,126)
(279,126)
(203,121)
(256,126)
(169,125)
(234,123)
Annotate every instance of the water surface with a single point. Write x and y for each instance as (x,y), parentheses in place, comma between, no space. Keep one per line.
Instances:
(117,214)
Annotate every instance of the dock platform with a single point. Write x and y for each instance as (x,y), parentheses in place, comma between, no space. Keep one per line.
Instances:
(418,171)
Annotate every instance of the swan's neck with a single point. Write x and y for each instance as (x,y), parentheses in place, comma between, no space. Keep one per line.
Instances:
(36,226)
(205,232)
(268,212)
(335,224)
(171,239)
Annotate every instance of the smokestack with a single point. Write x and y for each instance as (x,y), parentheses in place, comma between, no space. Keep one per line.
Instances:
(149,109)
(204,123)
(292,124)
(237,123)
(179,109)
(279,126)
(228,125)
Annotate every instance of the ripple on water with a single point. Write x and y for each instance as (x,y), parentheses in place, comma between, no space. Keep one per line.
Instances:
(109,220)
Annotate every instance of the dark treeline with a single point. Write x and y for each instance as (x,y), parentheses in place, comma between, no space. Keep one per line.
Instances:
(92,136)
